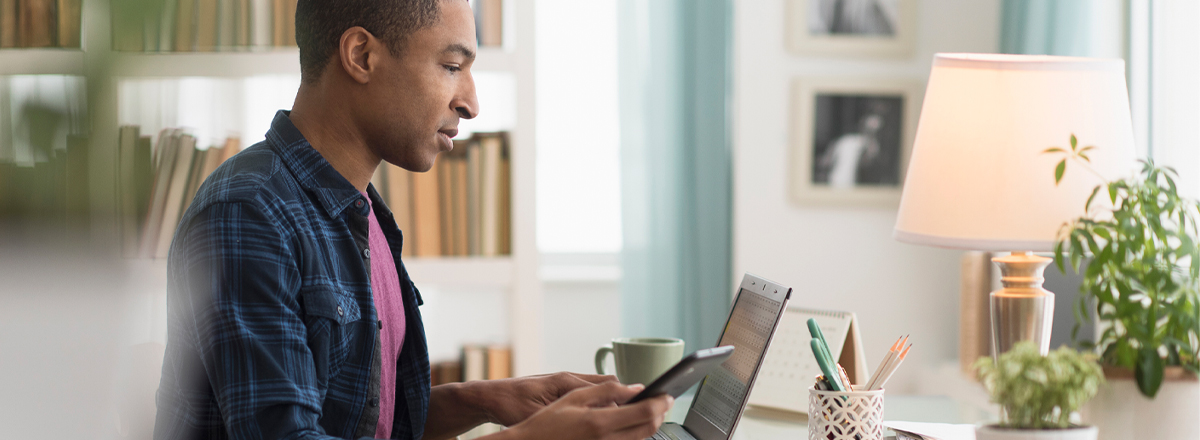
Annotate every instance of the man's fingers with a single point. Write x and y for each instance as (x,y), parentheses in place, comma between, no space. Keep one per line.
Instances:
(605,394)
(595,378)
(649,412)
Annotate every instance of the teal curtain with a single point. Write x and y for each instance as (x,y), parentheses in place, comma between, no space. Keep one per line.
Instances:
(1048,27)
(674,62)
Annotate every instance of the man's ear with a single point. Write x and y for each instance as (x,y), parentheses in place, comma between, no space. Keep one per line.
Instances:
(357,53)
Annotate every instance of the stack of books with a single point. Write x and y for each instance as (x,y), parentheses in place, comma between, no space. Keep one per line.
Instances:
(478,362)
(40,23)
(489,22)
(460,207)
(158,184)
(202,25)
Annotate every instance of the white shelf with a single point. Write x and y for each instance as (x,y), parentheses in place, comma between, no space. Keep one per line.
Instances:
(207,64)
(461,271)
(42,62)
(494,59)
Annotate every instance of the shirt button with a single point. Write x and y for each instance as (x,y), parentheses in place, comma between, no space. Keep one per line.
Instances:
(340,311)
(359,203)
(374,402)
(367,253)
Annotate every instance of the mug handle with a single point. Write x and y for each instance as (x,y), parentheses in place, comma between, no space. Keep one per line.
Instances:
(601,354)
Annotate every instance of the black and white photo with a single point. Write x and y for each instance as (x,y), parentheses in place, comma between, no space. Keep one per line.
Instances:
(856,140)
(851,138)
(853,17)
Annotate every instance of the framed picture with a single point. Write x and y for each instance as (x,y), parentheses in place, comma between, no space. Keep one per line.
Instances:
(868,28)
(852,138)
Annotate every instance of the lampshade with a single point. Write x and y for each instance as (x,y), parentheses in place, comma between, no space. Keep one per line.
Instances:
(979,177)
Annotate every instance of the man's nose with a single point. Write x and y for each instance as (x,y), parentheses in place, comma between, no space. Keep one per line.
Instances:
(466,104)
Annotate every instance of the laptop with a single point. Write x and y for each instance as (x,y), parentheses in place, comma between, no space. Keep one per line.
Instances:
(757,308)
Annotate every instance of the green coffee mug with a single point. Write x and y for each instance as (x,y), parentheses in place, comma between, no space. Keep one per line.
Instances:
(640,360)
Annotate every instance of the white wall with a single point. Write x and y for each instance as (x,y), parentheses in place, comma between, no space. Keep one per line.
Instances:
(843,258)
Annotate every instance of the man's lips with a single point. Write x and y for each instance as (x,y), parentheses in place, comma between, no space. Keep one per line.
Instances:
(449,132)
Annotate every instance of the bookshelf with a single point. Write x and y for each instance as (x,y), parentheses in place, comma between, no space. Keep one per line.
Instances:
(515,274)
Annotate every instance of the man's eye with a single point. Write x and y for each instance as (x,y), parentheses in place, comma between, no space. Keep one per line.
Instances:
(452,68)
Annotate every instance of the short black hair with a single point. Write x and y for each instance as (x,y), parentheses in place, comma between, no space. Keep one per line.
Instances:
(320,24)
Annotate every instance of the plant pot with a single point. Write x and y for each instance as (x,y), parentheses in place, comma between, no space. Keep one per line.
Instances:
(993,432)
(1122,412)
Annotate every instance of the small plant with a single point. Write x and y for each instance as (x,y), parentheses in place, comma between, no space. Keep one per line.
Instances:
(1141,271)
(1040,392)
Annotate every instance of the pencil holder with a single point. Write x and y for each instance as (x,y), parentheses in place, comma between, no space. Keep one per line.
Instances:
(850,415)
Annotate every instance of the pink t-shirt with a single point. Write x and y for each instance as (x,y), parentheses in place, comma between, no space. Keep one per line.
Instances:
(389,305)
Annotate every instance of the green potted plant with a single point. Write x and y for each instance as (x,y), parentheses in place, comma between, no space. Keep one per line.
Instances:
(1140,264)
(1039,393)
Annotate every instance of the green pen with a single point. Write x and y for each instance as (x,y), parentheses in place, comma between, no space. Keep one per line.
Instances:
(815,331)
(827,366)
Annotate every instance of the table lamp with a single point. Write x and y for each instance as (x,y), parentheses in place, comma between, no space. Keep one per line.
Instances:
(981,178)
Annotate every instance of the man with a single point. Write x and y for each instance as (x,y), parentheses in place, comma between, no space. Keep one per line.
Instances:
(290,313)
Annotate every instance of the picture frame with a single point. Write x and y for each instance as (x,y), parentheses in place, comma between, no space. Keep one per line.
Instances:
(852,28)
(851,139)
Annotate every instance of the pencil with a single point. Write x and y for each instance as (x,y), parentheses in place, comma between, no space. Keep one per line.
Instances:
(887,359)
(895,365)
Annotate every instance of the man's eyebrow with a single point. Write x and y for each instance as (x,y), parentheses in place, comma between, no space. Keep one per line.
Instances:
(461,49)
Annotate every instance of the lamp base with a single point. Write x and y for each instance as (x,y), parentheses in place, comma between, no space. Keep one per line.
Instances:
(1022,310)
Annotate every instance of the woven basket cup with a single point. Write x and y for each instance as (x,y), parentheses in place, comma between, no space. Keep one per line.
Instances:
(853,415)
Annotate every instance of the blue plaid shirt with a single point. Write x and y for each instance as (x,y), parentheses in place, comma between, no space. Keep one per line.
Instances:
(271,329)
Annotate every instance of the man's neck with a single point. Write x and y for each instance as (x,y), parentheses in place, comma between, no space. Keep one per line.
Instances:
(332,133)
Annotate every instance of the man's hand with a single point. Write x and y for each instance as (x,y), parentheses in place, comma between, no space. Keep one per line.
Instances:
(592,413)
(511,401)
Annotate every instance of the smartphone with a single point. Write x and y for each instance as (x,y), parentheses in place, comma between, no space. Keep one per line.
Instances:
(686,373)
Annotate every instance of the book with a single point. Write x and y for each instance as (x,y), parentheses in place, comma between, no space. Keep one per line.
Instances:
(173,207)
(474,363)
(226,24)
(489,187)
(504,205)
(185,25)
(143,182)
(492,26)
(426,213)
(459,194)
(474,206)
(206,25)
(128,137)
(9,17)
(70,12)
(261,23)
(278,21)
(289,23)
(242,23)
(399,200)
(195,175)
(164,164)
(38,24)
(166,24)
(499,362)
(446,204)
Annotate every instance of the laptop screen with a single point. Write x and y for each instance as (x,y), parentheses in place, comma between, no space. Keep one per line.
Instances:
(751,322)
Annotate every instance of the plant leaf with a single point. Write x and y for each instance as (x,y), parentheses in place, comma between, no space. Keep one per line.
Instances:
(1054,150)
(1059,170)
(1149,371)
(1074,142)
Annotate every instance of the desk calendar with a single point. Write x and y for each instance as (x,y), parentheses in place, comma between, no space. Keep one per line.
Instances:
(789,367)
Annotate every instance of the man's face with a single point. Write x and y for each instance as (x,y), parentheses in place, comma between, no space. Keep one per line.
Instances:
(414,108)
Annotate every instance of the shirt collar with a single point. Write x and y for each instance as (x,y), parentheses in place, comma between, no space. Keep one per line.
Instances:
(314,173)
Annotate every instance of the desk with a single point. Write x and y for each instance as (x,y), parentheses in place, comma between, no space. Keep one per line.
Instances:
(766,424)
